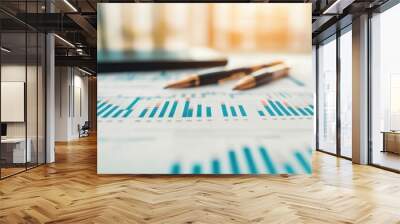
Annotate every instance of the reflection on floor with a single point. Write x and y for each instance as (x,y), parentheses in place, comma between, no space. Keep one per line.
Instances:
(387,159)
(70,191)
(8,170)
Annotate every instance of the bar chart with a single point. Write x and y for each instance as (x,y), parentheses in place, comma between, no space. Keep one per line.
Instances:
(146,129)
(275,108)
(286,106)
(252,160)
(207,106)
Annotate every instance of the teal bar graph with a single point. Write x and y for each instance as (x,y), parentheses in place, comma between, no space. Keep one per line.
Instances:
(110,112)
(268,109)
(282,108)
(233,111)
(288,168)
(196,169)
(153,112)
(304,113)
(208,112)
(303,162)
(164,109)
(186,109)
(101,105)
(275,108)
(198,114)
(277,104)
(270,112)
(310,112)
(133,103)
(242,111)
(176,168)
(118,113)
(250,160)
(216,166)
(234,164)
(293,111)
(173,109)
(267,160)
(100,112)
(190,113)
(143,113)
(224,110)
(128,112)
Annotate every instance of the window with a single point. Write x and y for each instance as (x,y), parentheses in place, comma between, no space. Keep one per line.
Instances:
(385,89)
(327,96)
(346,93)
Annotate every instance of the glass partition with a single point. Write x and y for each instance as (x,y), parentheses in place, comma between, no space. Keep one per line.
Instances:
(14,145)
(346,93)
(327,96)
(22,77)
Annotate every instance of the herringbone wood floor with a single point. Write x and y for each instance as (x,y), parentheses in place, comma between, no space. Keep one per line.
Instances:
(69,191)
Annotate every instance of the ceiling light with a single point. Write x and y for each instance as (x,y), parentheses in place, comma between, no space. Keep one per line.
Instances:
(84,71)
(70,5)
(337,7)
(5,50)
(64,40)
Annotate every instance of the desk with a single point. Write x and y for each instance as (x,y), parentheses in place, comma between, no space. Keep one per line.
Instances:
(391,141)
(17,151)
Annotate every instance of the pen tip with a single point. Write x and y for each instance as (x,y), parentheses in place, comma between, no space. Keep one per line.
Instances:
(245,83)
(172,85)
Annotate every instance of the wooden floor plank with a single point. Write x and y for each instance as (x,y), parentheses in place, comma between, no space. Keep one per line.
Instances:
(70,191)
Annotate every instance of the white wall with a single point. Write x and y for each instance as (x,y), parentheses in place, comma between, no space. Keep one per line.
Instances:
(80,109)
(33,126)
(62,81)
(71,102)
(17,73)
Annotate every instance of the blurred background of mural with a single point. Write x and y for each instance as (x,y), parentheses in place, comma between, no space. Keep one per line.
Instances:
(225,27)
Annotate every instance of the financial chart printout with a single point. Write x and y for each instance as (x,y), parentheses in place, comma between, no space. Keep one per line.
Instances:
(146,129)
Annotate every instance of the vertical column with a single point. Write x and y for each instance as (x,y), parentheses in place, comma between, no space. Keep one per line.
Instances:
(316,99)
(50,98)
(50,92)
(338,75)
(360,90)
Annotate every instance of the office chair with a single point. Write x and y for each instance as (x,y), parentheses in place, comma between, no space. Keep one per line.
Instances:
(84,130)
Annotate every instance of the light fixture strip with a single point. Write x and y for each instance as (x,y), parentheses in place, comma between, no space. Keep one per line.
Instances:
(326,11)
(70,5)
(5,50)
(64,40)
(86,72)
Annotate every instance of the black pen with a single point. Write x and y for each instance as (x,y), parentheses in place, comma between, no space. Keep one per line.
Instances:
(262,76)
(216,75)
